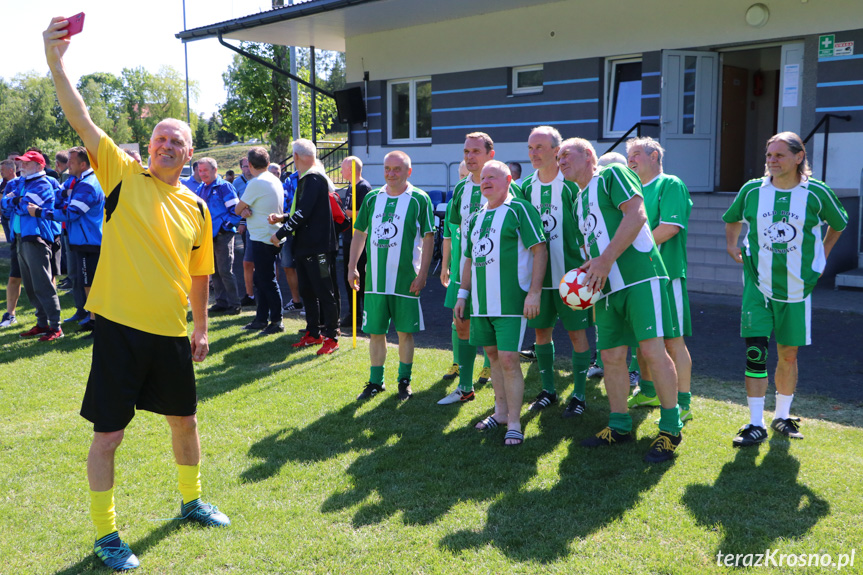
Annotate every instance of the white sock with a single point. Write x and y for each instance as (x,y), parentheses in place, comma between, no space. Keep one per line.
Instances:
(783,406)
(756,410)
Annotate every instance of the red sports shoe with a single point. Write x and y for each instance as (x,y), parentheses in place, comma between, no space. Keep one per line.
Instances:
(52,334)
(35,330)
(330,345)
(308,341)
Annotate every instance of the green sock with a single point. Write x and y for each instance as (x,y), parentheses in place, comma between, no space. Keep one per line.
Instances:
(467,354)
(545,361)
(620,422)
(633,364)
(580,365)
(684,399)
(669,420)
(647,388)
(376,374)
(487,361)
(405,370)
(454,345)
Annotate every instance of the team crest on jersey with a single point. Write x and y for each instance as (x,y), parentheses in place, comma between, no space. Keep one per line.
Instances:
(588,224)
(549,223)
(482,248)
(781,232)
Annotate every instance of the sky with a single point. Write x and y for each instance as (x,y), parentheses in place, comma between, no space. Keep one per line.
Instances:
(121,35)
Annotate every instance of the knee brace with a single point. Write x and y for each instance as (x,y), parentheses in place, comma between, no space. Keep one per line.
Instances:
(756,357)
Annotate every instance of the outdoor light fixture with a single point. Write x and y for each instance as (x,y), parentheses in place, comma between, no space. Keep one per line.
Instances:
(757,15)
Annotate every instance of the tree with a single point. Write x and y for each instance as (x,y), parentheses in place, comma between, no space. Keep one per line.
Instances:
(150,98)
(202,134)
(27,106)
(257,105)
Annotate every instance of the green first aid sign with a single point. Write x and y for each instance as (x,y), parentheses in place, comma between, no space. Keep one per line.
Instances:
(825,45)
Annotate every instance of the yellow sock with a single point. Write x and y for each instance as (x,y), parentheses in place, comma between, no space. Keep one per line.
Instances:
(190,482)
(102,512)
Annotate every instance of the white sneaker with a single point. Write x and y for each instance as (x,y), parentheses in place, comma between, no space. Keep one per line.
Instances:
(595,371)
(458,396)
(8,319)
(634,378)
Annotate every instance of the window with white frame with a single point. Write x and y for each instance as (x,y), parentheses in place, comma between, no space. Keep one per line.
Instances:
(409,111)
(622,105)
(527,79)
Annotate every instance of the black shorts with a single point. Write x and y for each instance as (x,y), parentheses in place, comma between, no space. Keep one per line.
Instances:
(88,262)
(133,369)
(56,256)
(15,269)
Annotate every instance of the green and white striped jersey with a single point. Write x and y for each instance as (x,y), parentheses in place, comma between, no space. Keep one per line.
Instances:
(598,215)
(554,202)
(467,199)
(667,201)
(783,251)
(498,243)
(452,232)
(395,226)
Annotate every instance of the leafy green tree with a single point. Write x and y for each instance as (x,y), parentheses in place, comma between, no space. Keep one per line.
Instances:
(150,98)
(27,109)
(259,106)
(202,134)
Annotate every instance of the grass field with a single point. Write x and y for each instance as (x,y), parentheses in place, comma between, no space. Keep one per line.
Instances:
(317,483)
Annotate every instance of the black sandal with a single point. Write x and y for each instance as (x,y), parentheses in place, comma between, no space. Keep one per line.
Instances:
(488,423)
(513,434)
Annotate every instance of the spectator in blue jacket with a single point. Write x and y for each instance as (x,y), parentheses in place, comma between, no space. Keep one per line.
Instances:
(34,239)
(8,185)
(81,208)
(221,198)
(287,253)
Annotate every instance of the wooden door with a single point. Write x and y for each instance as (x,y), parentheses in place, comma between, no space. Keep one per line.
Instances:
(732,148)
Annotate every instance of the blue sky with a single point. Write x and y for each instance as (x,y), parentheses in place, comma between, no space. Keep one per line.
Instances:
(125,34)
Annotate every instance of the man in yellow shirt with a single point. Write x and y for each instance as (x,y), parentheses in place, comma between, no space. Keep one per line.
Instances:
(157,253)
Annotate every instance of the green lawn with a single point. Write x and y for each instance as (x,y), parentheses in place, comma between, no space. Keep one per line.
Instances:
(317,483)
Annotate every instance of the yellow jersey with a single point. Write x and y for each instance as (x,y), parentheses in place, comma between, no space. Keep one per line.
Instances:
(155,238)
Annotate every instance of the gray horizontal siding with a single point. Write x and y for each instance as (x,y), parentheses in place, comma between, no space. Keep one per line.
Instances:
(840,85)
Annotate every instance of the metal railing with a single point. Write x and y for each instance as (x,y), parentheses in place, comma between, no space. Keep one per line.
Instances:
(331,154)
(825,120)
(636,126)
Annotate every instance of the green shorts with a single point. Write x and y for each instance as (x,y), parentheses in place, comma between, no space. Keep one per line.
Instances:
(379,309)
(678,297)
(507,333)
(760,315)
(452,295)
(633,314)
(551,307)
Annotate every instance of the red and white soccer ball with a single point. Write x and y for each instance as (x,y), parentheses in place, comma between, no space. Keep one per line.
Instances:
(573,291)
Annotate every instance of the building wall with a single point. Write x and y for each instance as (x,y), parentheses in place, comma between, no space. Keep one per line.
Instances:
(581,29)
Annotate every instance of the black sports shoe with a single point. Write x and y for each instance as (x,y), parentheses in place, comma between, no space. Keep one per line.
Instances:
(255,325)
(292,306)
(273,327)
(218,308)
(789,427)
(749,435)
(405,391)
(543,400)
(662,448)
(234,310)
(371,390)
(606,437)
(247,301)
(575,408)
(528,354)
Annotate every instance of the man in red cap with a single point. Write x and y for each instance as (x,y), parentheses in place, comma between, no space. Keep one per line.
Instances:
(34,239)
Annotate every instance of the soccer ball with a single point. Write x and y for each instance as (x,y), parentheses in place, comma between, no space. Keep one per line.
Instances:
(574,293)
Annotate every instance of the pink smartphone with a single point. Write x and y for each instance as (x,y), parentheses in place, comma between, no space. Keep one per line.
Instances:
(76,24)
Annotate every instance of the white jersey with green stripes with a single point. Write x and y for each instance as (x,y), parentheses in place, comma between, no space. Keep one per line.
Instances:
(783,251)
(554,201)
(395,226)
(599,215)
(466,201)
(498,242)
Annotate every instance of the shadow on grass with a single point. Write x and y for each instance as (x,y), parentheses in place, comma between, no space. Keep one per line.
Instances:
(757,504)
(270,354)
(410,461)
(92,564)
(15,347)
